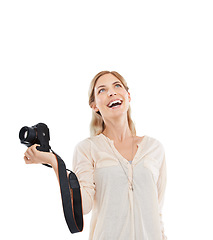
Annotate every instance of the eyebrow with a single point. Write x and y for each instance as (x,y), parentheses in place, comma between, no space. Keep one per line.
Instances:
(105,85)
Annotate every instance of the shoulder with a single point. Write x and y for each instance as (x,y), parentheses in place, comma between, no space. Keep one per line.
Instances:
(155,149)
(154,142)
(87,142)
(155,155)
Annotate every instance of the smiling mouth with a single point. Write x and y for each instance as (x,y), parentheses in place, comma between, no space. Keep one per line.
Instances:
(116,105)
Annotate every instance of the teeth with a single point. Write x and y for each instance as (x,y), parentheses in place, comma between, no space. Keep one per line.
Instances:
(119,101)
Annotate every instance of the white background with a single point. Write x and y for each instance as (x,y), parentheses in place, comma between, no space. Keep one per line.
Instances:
(49,53)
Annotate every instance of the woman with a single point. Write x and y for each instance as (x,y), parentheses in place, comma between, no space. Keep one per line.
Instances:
(122,176)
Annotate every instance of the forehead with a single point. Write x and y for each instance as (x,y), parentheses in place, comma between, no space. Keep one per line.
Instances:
(106,79)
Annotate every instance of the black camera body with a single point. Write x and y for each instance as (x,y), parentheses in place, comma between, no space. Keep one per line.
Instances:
(37,134)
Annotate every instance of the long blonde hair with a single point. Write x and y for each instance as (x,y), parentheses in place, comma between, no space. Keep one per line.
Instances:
(97,124)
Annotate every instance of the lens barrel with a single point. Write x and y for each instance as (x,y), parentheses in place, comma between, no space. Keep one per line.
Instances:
(27,135)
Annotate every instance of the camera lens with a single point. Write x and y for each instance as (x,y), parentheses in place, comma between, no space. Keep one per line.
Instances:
(27,135)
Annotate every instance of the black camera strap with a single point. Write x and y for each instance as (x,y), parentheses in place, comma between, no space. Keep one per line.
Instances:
(70,188)
(71,197)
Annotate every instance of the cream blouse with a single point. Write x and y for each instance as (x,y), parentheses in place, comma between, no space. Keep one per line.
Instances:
(119,213)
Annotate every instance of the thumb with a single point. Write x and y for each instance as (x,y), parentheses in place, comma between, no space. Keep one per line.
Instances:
(34,148)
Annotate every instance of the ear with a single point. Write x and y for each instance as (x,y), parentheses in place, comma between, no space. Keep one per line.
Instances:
(95,108)
(129,97)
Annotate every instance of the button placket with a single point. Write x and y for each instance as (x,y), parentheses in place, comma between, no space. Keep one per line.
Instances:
(129,166)
(130,176)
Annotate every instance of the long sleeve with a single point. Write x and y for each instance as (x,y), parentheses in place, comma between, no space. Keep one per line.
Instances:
(83,167)
(161,186)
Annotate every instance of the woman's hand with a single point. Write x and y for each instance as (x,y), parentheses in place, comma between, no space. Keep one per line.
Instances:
(32,155)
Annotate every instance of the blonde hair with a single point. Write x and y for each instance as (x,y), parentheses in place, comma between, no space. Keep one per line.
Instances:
(97,124)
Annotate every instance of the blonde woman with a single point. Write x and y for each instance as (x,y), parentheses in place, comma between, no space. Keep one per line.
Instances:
(122,175)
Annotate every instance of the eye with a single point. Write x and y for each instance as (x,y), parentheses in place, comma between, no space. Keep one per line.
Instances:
(100,90)
(104,89)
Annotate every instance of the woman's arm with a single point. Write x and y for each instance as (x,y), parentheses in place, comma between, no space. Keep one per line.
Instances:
(32,155)
(161,186)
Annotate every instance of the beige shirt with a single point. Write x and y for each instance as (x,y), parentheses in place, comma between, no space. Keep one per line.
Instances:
(118,212)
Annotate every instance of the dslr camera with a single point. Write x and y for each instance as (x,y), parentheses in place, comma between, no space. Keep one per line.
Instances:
(37,134)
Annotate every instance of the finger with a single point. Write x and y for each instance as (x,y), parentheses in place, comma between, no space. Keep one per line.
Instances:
(27,161)
(27,154)
(34,149)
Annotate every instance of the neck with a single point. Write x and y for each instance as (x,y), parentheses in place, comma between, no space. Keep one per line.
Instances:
(118,131)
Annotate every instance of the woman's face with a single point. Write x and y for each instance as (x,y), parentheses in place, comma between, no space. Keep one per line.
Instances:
(109,88)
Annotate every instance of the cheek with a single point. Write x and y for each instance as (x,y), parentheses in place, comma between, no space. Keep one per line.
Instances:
(122,90)
(100,100)
(124,94)
(127,100)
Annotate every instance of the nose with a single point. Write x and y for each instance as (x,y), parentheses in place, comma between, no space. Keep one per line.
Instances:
(111,92)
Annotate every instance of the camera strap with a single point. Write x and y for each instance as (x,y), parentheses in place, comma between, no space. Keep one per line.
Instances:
(69,186)
(71,197)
